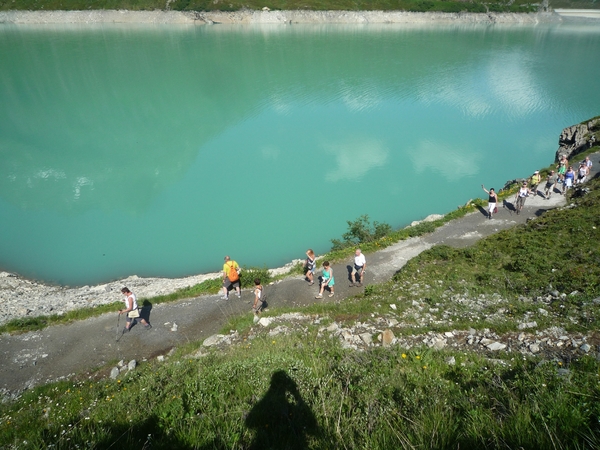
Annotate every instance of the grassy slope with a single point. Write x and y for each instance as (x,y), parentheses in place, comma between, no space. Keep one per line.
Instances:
(319,5)
(305,391)
(234,5)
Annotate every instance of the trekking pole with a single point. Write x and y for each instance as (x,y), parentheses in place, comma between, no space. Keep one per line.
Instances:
(118,318)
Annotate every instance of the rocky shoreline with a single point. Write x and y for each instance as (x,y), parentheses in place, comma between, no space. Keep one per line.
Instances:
(270,17)
(22,298)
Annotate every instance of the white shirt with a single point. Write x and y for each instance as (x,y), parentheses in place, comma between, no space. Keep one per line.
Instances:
(360,260)
(135,306)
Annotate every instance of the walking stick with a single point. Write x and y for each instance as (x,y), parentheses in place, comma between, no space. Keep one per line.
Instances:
(117,336)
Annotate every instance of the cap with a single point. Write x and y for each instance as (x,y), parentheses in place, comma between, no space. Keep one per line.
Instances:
(537,171)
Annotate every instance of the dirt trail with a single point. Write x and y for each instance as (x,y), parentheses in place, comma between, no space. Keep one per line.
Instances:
(61,351)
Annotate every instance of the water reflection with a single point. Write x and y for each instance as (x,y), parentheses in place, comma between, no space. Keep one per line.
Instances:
(354,158)
(175,124)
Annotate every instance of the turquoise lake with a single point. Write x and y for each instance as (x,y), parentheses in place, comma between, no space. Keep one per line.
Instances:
(156,150)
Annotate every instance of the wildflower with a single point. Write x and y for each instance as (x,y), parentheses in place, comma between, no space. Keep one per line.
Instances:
(418,357)
(273,342)
(424,367)
(404,355)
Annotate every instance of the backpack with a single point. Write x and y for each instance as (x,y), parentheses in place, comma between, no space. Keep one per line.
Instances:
(233,275)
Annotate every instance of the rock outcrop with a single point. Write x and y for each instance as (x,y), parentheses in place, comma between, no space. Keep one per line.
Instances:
(578,138)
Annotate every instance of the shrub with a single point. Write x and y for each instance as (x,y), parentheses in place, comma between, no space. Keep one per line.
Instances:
(247,276)
(361,231)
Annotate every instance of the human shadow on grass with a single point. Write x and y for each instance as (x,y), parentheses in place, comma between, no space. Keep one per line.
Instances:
(281,418)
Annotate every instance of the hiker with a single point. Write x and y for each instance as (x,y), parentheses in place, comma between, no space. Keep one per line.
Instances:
(588,163)
(133,313)
(360,262)
(522,194)
(582,173)
(231,278)
(562,167)
(258,297)
(569,179)
(534,182)
(550,183)
(328,281)
(309,266)
(492,201)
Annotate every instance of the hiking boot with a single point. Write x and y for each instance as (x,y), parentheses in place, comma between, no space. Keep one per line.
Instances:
(238,295)
(359,284)
(224,297)
(352,284)
(147,326)
(318,296)
(331,295)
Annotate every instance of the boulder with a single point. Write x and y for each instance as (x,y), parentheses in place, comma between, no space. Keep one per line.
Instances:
(212,340)
(366,338)
(265,321)
(495,346)
(585,348)
(387,338)
(534,348)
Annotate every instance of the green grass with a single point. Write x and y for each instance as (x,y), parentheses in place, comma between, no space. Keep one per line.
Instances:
(288,392)
(235,5)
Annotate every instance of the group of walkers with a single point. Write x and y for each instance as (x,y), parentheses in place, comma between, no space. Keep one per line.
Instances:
(231,282)
(564,175)
(327,278)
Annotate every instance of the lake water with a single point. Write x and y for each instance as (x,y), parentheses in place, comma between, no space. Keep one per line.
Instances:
(156,150)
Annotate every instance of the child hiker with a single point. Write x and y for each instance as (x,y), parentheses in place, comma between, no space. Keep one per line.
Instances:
(328,281)
(258,298)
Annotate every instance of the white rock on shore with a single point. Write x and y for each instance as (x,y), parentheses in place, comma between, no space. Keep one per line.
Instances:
(24,298)
(20,297)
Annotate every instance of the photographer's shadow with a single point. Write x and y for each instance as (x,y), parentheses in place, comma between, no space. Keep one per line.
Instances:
(281,418)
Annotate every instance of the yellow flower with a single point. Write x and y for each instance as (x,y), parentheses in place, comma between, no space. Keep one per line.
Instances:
(118,381)
(418,357)
(424,367)
(273,342)
(404,355)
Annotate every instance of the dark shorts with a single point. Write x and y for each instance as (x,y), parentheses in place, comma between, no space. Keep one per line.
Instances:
(357,268)
(227,284)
